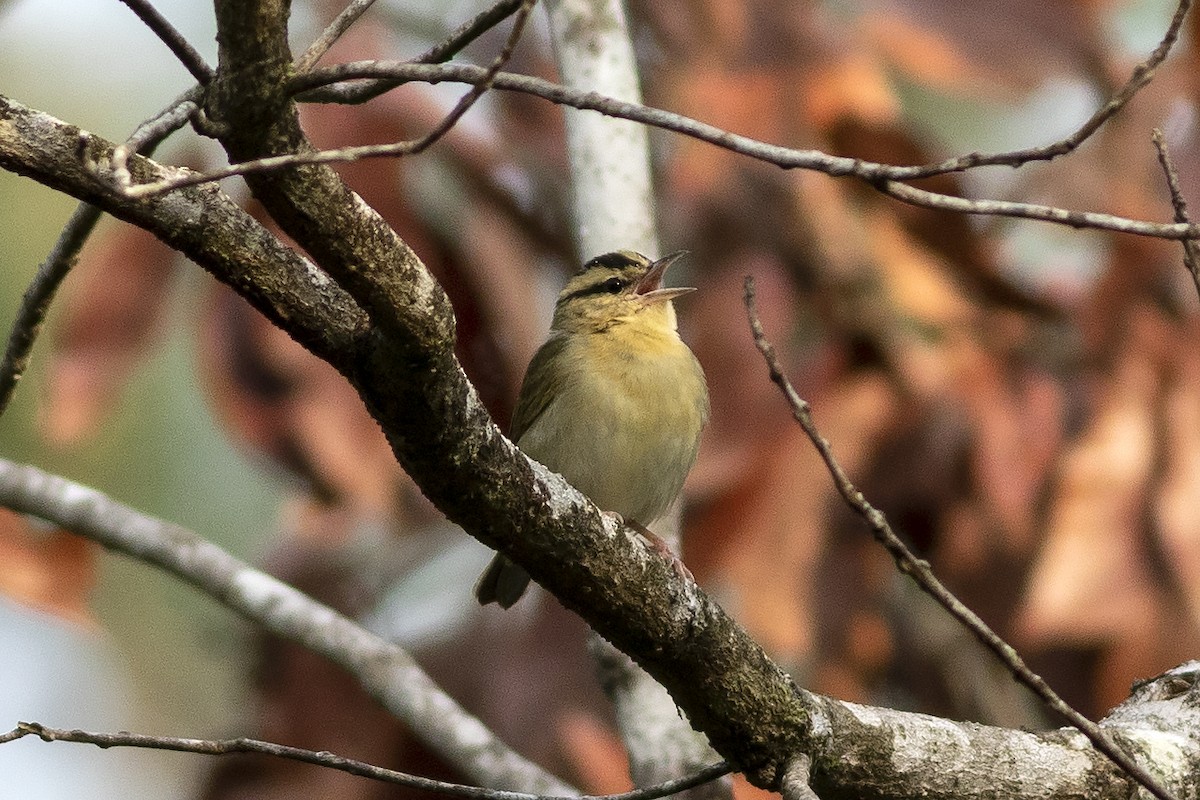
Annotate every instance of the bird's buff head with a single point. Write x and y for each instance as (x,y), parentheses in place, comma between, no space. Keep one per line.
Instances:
(618,288)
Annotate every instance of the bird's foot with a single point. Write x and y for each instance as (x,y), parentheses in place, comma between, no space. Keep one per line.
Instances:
(614,517)
(658,545)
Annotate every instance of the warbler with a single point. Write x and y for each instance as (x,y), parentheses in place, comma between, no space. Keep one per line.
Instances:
(614,401)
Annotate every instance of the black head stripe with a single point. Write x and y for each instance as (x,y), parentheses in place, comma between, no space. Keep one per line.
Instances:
(618,260)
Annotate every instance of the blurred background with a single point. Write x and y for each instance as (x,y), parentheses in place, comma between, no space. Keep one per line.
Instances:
(1022,401)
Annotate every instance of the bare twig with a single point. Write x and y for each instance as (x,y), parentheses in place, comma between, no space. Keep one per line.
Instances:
(921,573)
(368,89)
(468,32)
(38,296)
(795,782)
(173,39)
(61,259)
(1191,250)
(467,100)
(443,51)
(153,131)
(344,154)
(1059,216)
(1138,79)
(385,671)
(881,176)
(369,78)
(326,759)
(341,23)
(403,71)
(1142,74)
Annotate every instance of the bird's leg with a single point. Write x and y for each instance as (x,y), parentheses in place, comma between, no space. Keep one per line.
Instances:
(616,518)
(658,545)
(654,542)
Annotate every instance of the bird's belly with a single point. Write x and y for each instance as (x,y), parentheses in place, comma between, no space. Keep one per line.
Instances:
(613,454)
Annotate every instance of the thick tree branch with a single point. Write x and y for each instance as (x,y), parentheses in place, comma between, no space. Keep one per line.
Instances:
(203,223)
(442,435)
(415,387)
(853,751)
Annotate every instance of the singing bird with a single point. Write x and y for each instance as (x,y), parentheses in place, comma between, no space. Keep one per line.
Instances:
(614,401)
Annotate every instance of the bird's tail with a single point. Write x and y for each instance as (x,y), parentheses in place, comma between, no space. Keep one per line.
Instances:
(503,583)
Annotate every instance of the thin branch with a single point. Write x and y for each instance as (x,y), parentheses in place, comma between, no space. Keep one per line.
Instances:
(331,34)
(35,303)
(38,296)
(467,100)
(147,136)
(921,573)
(173,39)
(468,32)
(1142,74)
(1191,250)
(345,154)
(1033,211)
(324,758)
(443,51)
(386,671)
(370,88)
(402,72)
(882,177)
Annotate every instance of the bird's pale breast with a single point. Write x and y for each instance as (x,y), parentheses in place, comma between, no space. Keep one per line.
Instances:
(624,428)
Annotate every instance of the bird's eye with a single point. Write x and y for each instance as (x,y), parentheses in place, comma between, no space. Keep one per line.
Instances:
(613,285)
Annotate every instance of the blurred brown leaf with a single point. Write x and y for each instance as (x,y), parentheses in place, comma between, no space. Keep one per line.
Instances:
(109,318)
(48,569)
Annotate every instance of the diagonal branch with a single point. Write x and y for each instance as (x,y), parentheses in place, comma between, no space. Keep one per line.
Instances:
(1141,76)
(1191,251)
(38,296)
(468,32)
(919,570)
(173,39)
(341,23)
(441,434)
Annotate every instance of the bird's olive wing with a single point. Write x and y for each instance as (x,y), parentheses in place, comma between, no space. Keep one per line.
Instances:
(543,382)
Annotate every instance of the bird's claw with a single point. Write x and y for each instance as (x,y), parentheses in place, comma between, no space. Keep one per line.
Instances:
(658,545)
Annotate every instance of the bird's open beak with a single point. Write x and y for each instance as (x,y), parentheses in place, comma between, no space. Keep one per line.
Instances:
(650,289)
